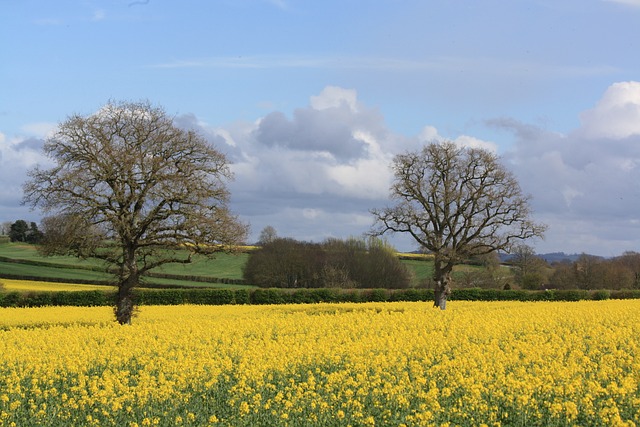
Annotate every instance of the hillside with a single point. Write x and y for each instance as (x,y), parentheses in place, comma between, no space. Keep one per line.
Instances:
(18,260)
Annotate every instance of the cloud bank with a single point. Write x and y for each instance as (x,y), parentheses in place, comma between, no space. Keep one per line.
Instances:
(316,172)
(585,184)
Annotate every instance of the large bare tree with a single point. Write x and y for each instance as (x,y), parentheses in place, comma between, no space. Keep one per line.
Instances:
(156,193)
(456,202)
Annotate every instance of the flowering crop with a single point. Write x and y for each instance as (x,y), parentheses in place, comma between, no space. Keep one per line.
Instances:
(34,285)
(386,364)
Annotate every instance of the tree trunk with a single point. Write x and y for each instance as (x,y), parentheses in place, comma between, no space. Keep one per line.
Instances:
(442,278)
(442,292)
(124,304)
(129,278)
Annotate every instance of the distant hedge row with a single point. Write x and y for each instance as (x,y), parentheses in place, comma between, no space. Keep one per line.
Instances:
(295,296)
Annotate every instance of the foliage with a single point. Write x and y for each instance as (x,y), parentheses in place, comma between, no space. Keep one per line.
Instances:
(456,202)
(354,263)
(21,231)
(61,294)
(391,364)
(128,177)
(267,235)
(530,270)
(590,272)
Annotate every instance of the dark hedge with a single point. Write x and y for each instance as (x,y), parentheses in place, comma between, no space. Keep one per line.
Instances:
(295,296)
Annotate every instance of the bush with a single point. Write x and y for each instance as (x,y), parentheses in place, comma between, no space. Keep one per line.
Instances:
(570,295)
(354,263)
(626,294)
(10,299)
(377,295)
(209,296)
(242,296)
(600,295)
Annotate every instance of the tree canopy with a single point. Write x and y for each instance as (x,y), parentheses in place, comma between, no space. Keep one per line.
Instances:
(456,202)
(21,231)
(150,190)
(351,263)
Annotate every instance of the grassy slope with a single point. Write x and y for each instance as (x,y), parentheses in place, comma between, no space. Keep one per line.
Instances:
(224,266)
(56,272)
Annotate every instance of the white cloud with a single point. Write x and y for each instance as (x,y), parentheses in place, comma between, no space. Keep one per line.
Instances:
(616,115)
(325,166)
(17,155)
(472,142)
(586,184)
(335,97)
(430,134)
(317,172)
(40,130)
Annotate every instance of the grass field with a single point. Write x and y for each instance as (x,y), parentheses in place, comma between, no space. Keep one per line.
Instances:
(224,266)
(382,364)
(53,272)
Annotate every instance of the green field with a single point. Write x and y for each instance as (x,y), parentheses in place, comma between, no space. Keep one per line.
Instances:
(17,259)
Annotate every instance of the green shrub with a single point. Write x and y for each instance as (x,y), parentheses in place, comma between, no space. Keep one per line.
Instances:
(267,296)
(304,296)
(377,295)
(11,299)
(287,263)
(570,295)
(626,294)
(601,294)
(352,295)
(242,296)
(209,296)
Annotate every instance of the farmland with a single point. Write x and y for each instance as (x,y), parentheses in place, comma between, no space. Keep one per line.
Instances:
(502,363)
(23,260)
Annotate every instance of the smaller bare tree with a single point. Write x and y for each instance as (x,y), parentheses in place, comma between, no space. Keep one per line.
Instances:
(267,235)
(529,268)
(456,202)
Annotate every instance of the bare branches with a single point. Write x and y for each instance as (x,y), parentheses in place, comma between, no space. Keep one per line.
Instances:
(456,202)
(150,185)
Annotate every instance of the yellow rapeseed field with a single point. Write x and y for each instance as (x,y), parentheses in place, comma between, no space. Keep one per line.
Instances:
(34,285)
(383,364)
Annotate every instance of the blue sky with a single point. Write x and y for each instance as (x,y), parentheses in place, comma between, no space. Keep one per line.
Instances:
(311,100)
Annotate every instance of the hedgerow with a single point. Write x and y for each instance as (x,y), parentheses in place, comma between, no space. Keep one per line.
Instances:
(295,296)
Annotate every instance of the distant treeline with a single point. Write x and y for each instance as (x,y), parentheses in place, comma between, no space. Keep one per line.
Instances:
(335,263)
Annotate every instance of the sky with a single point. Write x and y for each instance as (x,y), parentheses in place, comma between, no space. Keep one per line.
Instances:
(311,101)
